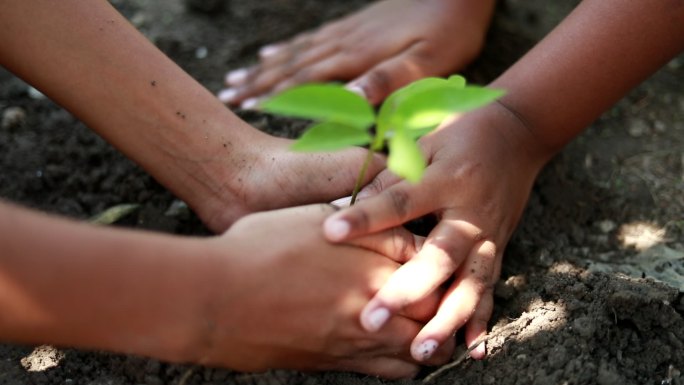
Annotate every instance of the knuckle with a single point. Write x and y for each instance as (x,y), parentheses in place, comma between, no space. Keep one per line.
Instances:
(303,75)
(399,202)
(301,41)
(455,251)
(352,51)
(481,284)
(375,186)
(364,345)
(359,219)
(377,82)
(403,244)
(421,56)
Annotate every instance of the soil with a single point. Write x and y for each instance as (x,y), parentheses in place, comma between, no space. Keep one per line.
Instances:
(591,288)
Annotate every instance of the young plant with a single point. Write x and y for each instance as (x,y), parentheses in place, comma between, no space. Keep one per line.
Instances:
(343,118)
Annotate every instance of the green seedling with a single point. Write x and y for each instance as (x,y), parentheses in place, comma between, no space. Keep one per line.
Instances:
(343,118)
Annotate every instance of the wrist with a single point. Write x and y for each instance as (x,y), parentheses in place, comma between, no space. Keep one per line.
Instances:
(187,291)
(536,149)
(204,167)
(523,147)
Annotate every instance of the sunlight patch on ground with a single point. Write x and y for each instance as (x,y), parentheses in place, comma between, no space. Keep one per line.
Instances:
(660,262)
(641,235)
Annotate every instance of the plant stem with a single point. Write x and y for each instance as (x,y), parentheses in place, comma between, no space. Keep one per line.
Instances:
(362,174)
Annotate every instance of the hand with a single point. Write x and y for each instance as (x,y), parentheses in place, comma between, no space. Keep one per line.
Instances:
(299,297)
(264,174)
(382,48)
(481,169)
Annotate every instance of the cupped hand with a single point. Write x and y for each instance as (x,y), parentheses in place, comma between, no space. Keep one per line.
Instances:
(481,167)
(380,49)
(299,297)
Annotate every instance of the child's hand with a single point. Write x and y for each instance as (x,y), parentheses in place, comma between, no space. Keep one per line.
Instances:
(380,49)
(299,298)
(481,169)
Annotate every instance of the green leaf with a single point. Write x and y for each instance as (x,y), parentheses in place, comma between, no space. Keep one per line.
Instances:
(393,101)
(330,136)
(322,102)
(406,159)
(457,81)
(425,110)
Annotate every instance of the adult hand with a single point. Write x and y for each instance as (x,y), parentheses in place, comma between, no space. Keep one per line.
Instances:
(481,169)
(380,49)
(290,299)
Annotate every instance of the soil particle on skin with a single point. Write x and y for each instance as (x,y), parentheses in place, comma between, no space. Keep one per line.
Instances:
(554,321)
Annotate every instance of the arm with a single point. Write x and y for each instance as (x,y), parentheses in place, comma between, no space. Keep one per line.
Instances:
(601,51)
(88,58)
(483,164)
(229,301)
(72,284)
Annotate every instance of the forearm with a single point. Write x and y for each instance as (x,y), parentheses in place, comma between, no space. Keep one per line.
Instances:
(590,61)
(88,58)
(77,285)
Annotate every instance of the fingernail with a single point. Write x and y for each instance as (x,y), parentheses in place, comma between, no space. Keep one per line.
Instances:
(268,51)
(249,104)
(237,77)
(336,229)
(227,95)
(357,89)
(342,202)
(375,319)
(479,352)
(424,350)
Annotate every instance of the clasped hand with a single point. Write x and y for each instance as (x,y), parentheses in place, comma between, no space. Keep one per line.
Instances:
(480,171)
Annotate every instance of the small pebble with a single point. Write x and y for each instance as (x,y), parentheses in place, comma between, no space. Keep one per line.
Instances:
(638,128)
(607,226)
(139,19)
(201,53)
(178,209)
(13,117)
(660,126)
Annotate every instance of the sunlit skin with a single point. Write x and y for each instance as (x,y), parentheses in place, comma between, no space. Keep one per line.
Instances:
(482,166)
(377,50)
(252,299)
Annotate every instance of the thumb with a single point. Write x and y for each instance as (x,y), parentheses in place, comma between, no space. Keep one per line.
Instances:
(383,180)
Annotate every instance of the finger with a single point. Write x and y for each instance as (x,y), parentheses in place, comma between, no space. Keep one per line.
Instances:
(393,207)
(382,181)
(302,69)
(274,54)
(239,77)
(443,354)
(460,302)
(296,69)
(394,73)
(397,243)
(279,63)
(328,63)
(476,328)
(444,250)
(394,341)
(423,310)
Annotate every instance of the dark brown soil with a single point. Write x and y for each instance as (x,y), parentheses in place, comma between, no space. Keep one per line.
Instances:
(611,203)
